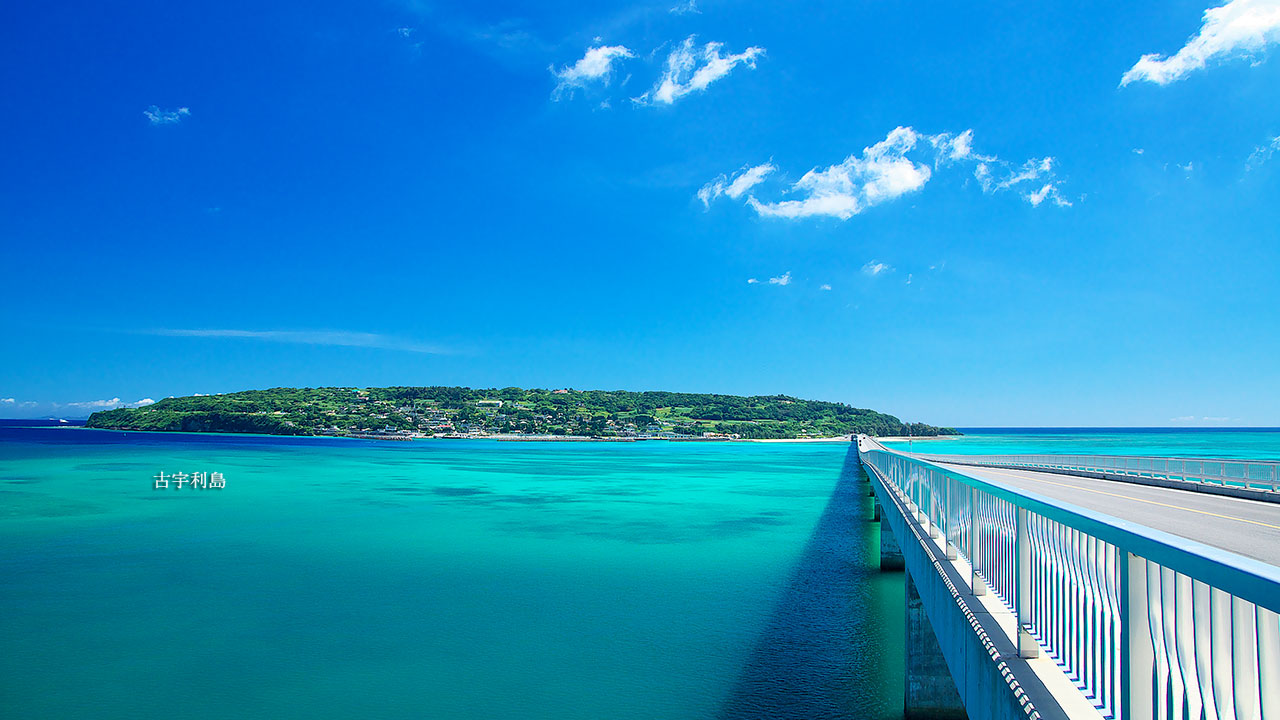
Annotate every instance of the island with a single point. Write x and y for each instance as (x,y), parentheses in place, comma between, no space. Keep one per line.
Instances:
(508,413)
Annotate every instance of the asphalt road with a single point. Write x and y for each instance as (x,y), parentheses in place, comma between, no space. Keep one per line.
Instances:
(1246,527)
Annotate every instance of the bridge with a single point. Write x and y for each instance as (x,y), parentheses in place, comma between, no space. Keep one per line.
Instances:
(1076,586)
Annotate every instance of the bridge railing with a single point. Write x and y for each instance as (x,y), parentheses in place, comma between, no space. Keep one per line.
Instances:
(1248,474)
(1147,624)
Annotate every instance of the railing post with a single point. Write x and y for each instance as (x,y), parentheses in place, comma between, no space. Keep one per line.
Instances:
(947,523)
(975,582)
(950,522)
(1137,653)
(1027,645)
(939,503)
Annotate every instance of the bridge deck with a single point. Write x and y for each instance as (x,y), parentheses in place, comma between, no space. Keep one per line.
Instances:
(1246,527)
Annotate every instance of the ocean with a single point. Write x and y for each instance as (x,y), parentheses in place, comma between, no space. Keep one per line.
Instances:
(1234,443)
(335,578)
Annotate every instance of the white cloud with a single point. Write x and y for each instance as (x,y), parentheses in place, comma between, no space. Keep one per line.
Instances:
(886,171)
(882,172)
(824,286)
(1262,153)
(19,406)
(1183,418)
(165,117)
(955,148)
(104,404)
(909,277)
(752,281)
(902,163)
(734,186)
(1240,28)
(686,7)
(834,205)
(1138,151)
(340,338)
(1031,170)
(692,70)
(595,66)
(783,279)
(1048,191)
(1039,171)
(404,32)
(874,268)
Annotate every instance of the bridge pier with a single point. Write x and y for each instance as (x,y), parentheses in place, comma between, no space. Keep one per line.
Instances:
(931,692)
(890,551)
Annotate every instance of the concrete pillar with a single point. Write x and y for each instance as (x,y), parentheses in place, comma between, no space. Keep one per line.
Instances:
(890,551)
(931,691)
(875,510)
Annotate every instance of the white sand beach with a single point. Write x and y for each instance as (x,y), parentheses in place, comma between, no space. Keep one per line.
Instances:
(838,438)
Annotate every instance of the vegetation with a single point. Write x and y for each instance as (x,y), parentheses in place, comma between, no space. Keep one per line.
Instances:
(452,411)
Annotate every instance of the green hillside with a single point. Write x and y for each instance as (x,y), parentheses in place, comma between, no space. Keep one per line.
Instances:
(467,411)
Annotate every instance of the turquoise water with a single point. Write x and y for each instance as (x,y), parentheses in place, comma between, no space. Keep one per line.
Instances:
(445,579)
(460,579)
(1251,444)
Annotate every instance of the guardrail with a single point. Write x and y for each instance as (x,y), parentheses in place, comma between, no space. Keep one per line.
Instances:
(1244,474)
(1147,624)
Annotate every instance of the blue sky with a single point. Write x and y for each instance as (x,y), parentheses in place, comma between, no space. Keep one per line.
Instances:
(1059,214)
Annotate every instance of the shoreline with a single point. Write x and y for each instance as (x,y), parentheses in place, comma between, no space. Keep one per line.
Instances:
(836,439)
(495,438)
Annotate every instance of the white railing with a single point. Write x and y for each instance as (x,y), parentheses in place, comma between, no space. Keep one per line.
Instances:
(1147,624)
(1247,474)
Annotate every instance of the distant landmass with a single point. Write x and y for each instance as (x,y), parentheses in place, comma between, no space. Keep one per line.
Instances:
(409,412)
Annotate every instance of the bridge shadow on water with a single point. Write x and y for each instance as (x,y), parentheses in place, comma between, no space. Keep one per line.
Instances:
(834,645)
